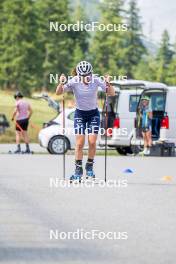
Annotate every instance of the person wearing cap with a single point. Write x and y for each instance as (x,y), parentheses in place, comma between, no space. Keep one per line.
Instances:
(146,117)
(84,86)
(21,115)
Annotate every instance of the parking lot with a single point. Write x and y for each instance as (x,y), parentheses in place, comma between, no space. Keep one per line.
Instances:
(144,209)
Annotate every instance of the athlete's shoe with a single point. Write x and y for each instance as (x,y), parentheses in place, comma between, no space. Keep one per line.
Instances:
(89,171)
(18,151)
(77,176)
(27,151)
(148,152)
(144,152)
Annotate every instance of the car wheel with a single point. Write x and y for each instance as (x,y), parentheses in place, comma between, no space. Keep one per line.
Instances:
(124,150)
(56,145)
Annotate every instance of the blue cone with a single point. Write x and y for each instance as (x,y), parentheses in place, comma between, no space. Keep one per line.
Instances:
(128,171)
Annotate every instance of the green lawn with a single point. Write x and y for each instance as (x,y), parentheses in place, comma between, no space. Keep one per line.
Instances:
(41,113)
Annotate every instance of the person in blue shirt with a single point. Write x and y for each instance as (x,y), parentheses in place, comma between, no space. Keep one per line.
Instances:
(146,117)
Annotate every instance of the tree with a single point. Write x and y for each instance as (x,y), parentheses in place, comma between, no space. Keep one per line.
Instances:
(56,46)
(164,57)
(134,48)
(18,46)
(171,73)
(81,37)
(106,47)
(146,69)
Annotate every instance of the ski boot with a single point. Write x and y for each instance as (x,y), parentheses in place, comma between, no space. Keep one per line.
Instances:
(89,171)
(77,176)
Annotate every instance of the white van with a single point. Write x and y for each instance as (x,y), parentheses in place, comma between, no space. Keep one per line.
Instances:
(121,114)
(163,105)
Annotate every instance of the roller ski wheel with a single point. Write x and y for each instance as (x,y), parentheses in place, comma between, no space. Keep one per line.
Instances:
(76,179)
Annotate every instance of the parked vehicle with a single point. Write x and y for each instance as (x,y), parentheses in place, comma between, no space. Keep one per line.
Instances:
(121,114)
(51,136)
(4,124)
(163,105)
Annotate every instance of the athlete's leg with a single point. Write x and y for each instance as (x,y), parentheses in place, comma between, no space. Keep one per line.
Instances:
(149,138)
(145,139)
(93,125)
(25,137)
(18,136)
(92,145)
(80,140)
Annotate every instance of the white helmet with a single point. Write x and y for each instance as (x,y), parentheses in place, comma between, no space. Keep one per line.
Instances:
(84,68)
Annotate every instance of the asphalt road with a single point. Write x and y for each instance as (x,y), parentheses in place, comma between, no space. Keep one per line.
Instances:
(144,209)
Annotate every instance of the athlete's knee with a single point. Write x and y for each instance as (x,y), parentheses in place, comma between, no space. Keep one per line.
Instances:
(92,144)
(79,146)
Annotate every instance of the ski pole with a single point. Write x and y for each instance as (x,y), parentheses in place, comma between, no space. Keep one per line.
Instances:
(20,128)
(63,109)
(106,127)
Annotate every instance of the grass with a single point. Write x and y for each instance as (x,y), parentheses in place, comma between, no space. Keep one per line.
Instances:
(41,114)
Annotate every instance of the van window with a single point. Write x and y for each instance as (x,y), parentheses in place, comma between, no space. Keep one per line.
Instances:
(133,102)
(157,100)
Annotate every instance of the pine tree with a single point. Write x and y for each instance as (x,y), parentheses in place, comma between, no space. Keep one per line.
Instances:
(171,73)
(18,46)
(56,46)
(134,47)
(106,47)
(164,57)
(80,38)
(146,69)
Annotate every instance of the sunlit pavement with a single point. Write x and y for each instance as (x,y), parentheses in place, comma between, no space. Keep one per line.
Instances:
(144,209)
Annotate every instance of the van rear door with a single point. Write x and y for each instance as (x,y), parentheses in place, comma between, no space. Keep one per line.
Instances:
(112,105)
(158,106)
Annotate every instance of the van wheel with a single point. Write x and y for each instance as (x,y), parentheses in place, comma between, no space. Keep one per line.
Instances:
(56,145)
(124,150)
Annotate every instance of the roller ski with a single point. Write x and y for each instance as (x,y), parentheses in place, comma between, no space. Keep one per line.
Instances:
(27,152)
(15,152)
(78,175)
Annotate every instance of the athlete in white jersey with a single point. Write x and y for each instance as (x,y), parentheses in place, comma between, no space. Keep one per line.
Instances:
(87,117)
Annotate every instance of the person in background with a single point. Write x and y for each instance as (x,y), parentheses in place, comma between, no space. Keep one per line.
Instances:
(146,117)
(21,115)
